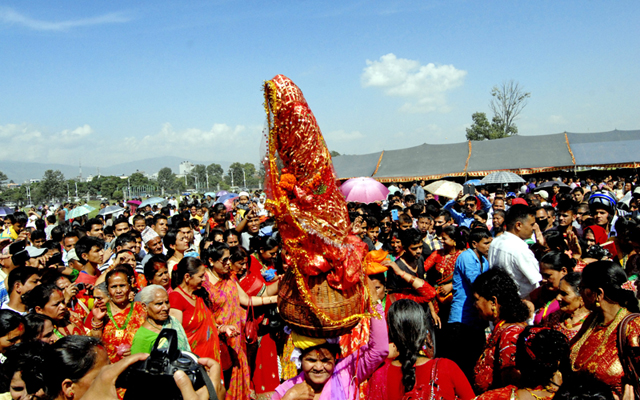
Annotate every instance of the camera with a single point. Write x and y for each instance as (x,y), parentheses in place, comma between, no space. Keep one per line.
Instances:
(153,377)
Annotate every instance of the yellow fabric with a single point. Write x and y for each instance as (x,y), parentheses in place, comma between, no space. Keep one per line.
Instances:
(304,342)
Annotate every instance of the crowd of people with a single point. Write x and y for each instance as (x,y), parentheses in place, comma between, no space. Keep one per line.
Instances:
(494,294)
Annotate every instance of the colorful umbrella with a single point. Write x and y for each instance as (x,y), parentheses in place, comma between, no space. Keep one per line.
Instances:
(221,193)
(226,197)
(364,190)
(4,211)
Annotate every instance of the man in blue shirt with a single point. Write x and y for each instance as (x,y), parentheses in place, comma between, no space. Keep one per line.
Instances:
(467,329)
(470,207)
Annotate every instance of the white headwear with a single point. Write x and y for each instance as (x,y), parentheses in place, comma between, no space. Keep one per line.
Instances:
(148,235)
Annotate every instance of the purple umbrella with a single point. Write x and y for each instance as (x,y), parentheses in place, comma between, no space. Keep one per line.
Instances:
(221,193)
(364,190)
(226,197)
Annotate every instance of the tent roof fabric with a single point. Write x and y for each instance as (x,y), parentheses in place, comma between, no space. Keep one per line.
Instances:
(520,154)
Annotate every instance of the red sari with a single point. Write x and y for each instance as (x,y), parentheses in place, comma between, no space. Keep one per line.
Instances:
(499,354)
(265,377)
(224,295)
(199,324)
(439,378)
(595,349)
(439,267)
(117,341)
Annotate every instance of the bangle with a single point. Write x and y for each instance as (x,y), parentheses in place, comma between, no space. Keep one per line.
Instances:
(413,279)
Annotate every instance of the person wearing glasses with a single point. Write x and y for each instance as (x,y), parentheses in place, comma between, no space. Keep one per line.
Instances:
(470,207)
(227,295)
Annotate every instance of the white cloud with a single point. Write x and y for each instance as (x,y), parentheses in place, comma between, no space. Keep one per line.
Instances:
(79,132)
(9,16)
(424,85)
(221,141)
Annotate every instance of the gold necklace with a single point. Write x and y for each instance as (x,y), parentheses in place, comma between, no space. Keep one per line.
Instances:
(575,350)
(153,324)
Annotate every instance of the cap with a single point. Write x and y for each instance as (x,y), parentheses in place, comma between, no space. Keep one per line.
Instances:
(519,200)
(71,255)
(148,235)
(543,194)
(244,194)
(35,252)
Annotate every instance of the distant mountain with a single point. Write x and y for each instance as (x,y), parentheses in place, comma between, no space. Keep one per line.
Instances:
(20,171)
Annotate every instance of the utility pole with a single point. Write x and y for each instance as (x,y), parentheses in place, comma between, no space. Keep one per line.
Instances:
(207,182)
(231,172)
(76,188)
(244,178)
(68,196)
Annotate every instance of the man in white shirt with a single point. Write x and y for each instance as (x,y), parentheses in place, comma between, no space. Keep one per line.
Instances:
(509,251)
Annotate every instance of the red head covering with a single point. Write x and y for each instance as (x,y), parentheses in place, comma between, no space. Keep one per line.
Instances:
(598,233)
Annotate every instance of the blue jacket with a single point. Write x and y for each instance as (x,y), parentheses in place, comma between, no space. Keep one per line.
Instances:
(461,219)
(465,272)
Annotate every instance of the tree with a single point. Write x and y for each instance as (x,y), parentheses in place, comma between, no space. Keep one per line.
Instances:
(507,102)
(117,195)
(215,173)
(52,186)
(482,129)
(334,153)
(242,173)
(199,172)
(3,177)
(166,178)
(138,179)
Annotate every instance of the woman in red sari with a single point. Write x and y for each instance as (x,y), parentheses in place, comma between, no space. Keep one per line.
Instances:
(439,267)
(119,322)
(542,357)
(411,373)
(261,280)
(572,313)
(594,349)
(49,300)
(497,300)
(228,297)
(191,306)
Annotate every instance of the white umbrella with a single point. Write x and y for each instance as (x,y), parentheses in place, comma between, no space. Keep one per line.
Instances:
(502,177)
(444,188)
(111,210)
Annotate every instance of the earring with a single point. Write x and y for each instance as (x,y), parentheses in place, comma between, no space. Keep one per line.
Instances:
(494,311)
(597,304)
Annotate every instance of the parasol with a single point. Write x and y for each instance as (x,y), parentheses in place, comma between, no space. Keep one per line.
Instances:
(111,210)
(364,190)
(444,188)
(153,201)
(77,212)
(502,177)
(4,211)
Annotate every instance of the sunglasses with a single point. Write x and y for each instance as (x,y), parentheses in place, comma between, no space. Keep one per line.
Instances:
(385,223)
(225,260)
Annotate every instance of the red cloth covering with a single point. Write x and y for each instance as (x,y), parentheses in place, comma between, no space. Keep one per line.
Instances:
(448,381)
(308,207)
(499,354)
(599,233)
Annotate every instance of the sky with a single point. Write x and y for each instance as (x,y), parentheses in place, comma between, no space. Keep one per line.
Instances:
(108,82)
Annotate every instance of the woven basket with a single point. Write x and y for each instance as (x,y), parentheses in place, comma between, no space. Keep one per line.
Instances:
(337,305)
